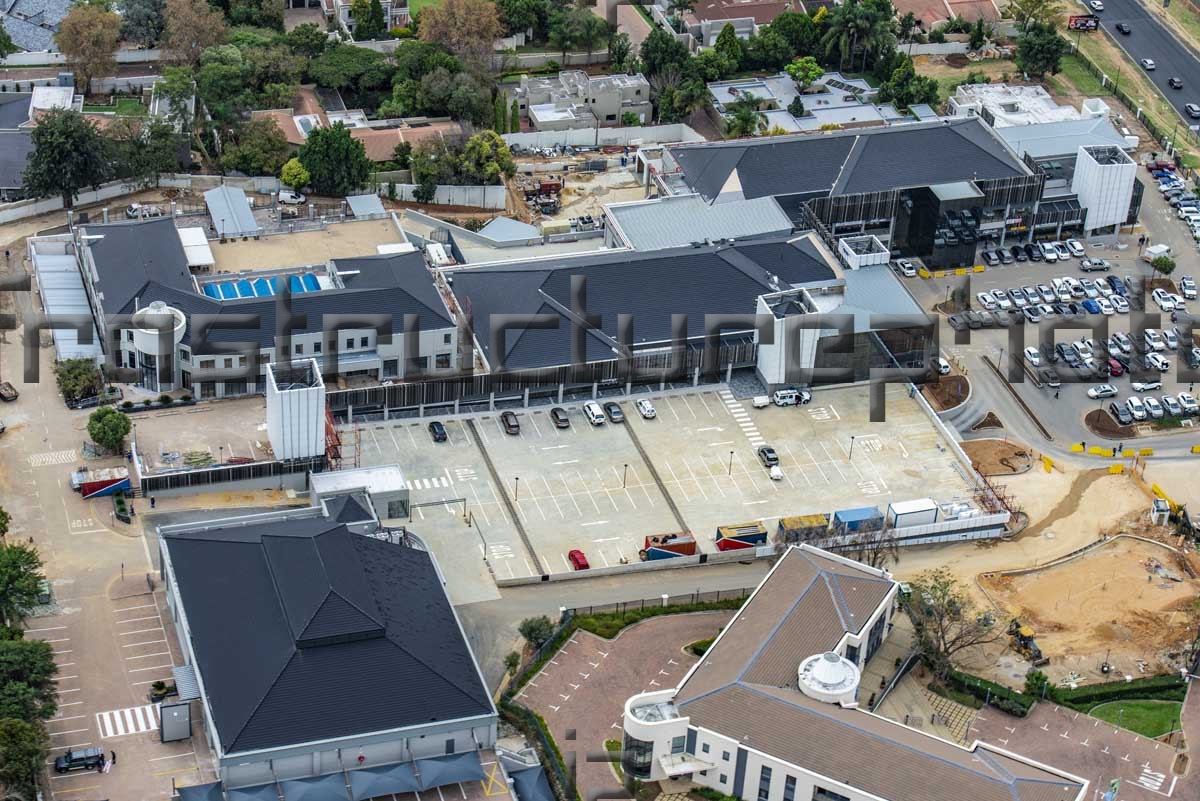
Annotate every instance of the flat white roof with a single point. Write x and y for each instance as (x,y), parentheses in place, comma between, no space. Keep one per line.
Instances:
(195,245)
(384,478)
(919,505)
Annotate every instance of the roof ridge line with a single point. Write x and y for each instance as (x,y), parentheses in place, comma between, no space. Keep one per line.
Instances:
(839,600)
(775,629)
(262,699)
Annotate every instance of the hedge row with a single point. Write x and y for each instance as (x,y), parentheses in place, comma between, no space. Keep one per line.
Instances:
(609,624)
(997,695)
(1152,688)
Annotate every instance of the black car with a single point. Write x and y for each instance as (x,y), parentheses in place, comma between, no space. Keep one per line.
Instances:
(558,416)
(83,759)
(1033,252)
(1117,285)
(1120,412)
(1018,253)
(437,431)
(1175,83)
(510,423)
(1123,29)
(1049,378)
(613,410)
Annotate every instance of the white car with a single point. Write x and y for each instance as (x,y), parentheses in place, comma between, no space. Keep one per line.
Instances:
(1106,308)
(1096,5)
(1153,407)
(1085,348)
(1187,402)
(137,211)
(646,409)
(1170,338)
(1145,386)
(1047,293)
(1076,247)
(1119,303)
(986,300)
(1123,341)
(1180,302)
(1163,298)
(291,198)
(1033,357)
(943,366)
(1136,408)
(1158,362)
(1102,391)
(1187,285)
(906,268)
(1148,64)
(1154,340)
(1001,299)
(1048,251)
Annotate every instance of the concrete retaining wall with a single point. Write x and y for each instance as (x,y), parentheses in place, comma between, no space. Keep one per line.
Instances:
(606,137)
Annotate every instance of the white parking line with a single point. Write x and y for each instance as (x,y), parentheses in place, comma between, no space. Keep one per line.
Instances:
(147,656)
(64,733)
(147,642)
(136,620)
(48,628)
(550,494)
(141,606)
(140,631)
(156,667)
(570,494)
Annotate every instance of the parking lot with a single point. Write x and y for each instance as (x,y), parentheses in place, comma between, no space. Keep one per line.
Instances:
(694,467)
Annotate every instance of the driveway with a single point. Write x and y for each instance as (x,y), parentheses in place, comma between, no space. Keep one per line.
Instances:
(583,689)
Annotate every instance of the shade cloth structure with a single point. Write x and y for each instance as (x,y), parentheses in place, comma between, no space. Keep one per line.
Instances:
(316,788)
(531,784)
(259,792)
(202,792)
(185,682)
(440,771)
(387,780)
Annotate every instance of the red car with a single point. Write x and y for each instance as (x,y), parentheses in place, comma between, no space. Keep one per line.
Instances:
(1115,367)
(578,560)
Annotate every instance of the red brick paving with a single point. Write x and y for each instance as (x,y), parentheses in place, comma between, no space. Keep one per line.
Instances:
(585,686)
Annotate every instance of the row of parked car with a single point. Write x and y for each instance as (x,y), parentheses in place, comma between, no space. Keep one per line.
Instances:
(595,413)
(1149,407)
(1034,251)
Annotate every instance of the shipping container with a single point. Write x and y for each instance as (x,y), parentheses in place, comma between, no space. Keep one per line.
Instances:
(741,535)
(912,513)
(803,528)
(667,546)
(849,521)
(94,483)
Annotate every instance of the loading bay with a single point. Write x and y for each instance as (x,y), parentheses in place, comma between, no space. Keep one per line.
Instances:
(602,489)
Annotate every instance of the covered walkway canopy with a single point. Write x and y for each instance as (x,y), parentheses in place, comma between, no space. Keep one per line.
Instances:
(202,792)
(230,211)
(316,788)
(440,771)
(386,780)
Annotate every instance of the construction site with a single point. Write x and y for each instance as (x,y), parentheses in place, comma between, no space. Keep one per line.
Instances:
(1123,607)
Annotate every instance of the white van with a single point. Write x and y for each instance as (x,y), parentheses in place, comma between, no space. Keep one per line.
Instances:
(593,413)
(790,396)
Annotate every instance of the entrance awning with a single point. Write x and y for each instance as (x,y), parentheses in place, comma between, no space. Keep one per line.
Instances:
(531,784)
(678,764)
(388,780)
(317,788)
(452,769)
(185,682)
(201,792)
(259,792)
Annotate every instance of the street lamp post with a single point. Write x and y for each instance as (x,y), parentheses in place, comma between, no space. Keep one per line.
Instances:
(624,476)
(516,487)
(731,463)
(850,458)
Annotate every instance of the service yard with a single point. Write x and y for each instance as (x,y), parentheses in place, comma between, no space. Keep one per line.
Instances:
(603,489)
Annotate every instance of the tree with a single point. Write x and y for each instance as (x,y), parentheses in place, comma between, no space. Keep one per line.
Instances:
(946,620)
(563,33)
(768,51)
(142,150)
(514,118)
(799,30)
(619,50)
(906,26)
(24,747)
(500,122)
(88,37)
(729,46)
(744,117)
(294,174)
(486,160)
(536,630)
(1040,50)
(678,8)
(520,15)
(108,428)
(68,155)
(804,71)
(189,28)
(336,162)
(1163,265)
(177,87)
(27,671)
(259,148)
(590,30)
(906,88)
(368,18)
(1029,12)
(467,28)
(5,519)
(796,107)
(630,120)
(402,155)
(512,661)
(345,66)
(7,46)
(1037,683)
(20,577)
(308,40)
(979,35)
(873,544)
(661,50)
(258,13)
(77,379)
(142,21)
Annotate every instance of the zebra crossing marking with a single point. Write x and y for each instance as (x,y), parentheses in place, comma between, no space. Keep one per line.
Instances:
(121,722)
(742,418)
(52,458)
(428,483)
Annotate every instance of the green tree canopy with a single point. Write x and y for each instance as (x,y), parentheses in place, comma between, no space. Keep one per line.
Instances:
(7,46)
(619,50)
(536,630)
(1163,265)
(108,428)
(308,40)
(20,575)
(799,30)
(78,379)
(24,747)
(142,21)
(294,174)
(1040,50)
(729,46)
(68,156)
(142,150)
(345,66)
(661,51)
(804,71)
(336,162)
(486,160)
(259,148)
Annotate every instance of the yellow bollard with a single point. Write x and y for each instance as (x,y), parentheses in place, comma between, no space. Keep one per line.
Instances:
(1116,469)
(1077,448)
(1047,463)
(1146,452)
(979,268)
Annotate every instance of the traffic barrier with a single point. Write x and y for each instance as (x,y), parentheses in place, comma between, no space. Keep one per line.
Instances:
(1047,463)
(1157,490)
(924,273)
(979,268)
(960,271)
(1116,469)
(1146,452)
(939,273)
(1077,448)
(1096,450)
(1196,449)
(1129,453)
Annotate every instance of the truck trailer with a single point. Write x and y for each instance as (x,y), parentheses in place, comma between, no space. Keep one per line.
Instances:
(105,481)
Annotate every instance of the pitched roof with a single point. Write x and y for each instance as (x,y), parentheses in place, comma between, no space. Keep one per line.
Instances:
(650,286)
(847,162)
(760,11)
(131,255)
(1061,138)
(677,221)
(291,620)
(380,143)
(15,147)
(14,109)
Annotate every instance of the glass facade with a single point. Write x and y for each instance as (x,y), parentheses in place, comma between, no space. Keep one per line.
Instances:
(638,757)
(764,784)
(821,794)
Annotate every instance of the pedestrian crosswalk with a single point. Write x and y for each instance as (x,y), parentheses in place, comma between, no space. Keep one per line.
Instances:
(428,483)
(135,720)
(742,418)
(52,457)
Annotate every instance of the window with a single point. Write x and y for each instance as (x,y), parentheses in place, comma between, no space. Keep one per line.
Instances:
(349,343)
(229,364)
(638,757)
(423,362)
(362,342)
(704,748)
(678,744)
(789,788)
(446,339)
(852,653)
(235,387)
(397,509)
(128,335)
(450,746)
(724,757)
(208,389)
(764,783)
(821,794)
(316,347)
(185,356)
(299,349)
(724,779)
(208,364)
(609,117)
(442,360)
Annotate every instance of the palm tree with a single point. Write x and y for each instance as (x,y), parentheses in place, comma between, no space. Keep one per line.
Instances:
(745,119)
(590,31)
(842,31)
(562,35)
(876,35)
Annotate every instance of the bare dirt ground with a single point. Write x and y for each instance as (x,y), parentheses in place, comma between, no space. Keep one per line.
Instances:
(1126,602)
(996,457)
(949,391)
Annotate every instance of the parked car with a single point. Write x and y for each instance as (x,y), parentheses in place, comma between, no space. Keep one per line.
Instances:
(1018,253)
(508,419)
(1062,250)
(1120,413)
(1033,357)
(1172,406)
(8,393)
(1033,251)
(1123,341)
(1153,408)
(1046,293)
(1075,247)
(1158,362)
(943,366)
(1188,403)
(986,300)
(1187,285)
(438,431)
(1093,265)
(1170,338)
(593,412)
(1119,304)
(291,198)
(578,560)
(1148,64)
(768,456)
(973,319)
(1106,308)
(1096,5)
(1049,252)
(1154,340)
(1145,386)
(1137,409)
(1033,314)
(1031,294)
(990,259)
(613,410)
(558,416)
(1115,368)
(82,759)
(646,408)
(1102,391)
(906,268)
(1091,306)
(1049,378)
(1017,297)
(138,211)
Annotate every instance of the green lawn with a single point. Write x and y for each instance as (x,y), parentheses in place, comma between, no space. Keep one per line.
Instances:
(1074,70)
(414,6)
(125,107)
(1148,718)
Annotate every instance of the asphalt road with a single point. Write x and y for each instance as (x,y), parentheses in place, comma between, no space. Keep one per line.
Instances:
(1150,39)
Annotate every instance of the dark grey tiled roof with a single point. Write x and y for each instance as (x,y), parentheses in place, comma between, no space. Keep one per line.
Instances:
(304,631)
(131,255)
(14,109)
(15,147)
(849,162)
(354,508)
(651,286)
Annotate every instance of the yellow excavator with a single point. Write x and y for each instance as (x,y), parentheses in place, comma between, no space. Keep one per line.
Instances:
(1024,644)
